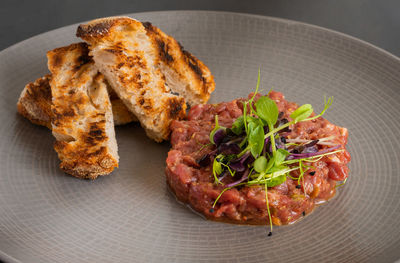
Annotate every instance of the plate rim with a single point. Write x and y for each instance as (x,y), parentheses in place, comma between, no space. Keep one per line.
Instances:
(7,258)
(273,18)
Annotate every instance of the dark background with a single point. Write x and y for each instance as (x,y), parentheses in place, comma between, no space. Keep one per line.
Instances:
(375,21)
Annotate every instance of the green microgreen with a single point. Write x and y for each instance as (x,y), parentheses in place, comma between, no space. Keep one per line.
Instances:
(300,115)
(232,173)
(268,111)
(341,184)
(217,168)
(238,125)
(270,167)
(260,165)
(256,140)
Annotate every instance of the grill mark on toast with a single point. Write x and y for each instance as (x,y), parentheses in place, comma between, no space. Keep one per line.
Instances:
(82,114)
(128,58)
(175,108)
(97,29)
(34,103)
(161,45)
(193,64)
(196,79)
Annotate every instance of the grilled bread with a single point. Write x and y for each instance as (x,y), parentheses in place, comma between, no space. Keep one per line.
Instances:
(82,119)
(120,112)
(139,62)
(184,73)
(35,102)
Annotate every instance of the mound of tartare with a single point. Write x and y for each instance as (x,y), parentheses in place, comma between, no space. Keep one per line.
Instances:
(226,158)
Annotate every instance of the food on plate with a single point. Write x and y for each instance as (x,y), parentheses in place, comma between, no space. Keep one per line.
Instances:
(184,73)
(149,71)
(35,102)
(82,119)
(121,114)
(226,158)
(133,72)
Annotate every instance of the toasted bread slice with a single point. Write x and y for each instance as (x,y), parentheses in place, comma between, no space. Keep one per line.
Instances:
(120,112)
(184,73)
(34,103)
(125,54)
(82,120)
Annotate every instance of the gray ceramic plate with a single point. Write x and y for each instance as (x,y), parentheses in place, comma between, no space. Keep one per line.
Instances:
(129,216)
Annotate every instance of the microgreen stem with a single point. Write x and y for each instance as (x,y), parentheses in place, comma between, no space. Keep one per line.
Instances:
(229,169)
(341,184)
(271,132)
(266,201)
(311,159)
(246,129)
(203,146)
(223,191)
(244,151)
(243,142)
(272,138)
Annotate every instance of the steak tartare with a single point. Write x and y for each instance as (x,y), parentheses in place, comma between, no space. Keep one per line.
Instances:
(191,171)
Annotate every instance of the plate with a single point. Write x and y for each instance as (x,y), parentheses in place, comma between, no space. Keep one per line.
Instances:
(130,216)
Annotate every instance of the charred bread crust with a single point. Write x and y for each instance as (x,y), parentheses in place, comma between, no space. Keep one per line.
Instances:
(101,28)
(125,55)
(197,77)
(76,54)
(35,101)
(81,116)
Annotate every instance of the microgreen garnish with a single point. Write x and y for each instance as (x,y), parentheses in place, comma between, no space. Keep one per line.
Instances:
(256,150)
(217,132)
(341,184)
(217,168)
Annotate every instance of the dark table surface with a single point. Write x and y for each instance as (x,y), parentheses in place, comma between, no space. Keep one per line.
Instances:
(377,22)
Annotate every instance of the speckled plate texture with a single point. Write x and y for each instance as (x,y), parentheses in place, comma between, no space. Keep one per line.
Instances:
(130,216)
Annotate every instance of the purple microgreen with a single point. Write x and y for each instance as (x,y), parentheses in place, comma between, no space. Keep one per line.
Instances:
(219,136)
(279,144)
(244,177)
(312,149)
(263,129)
(217,129)
(229,148)
(312,143)
(239,164)
(294,156)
